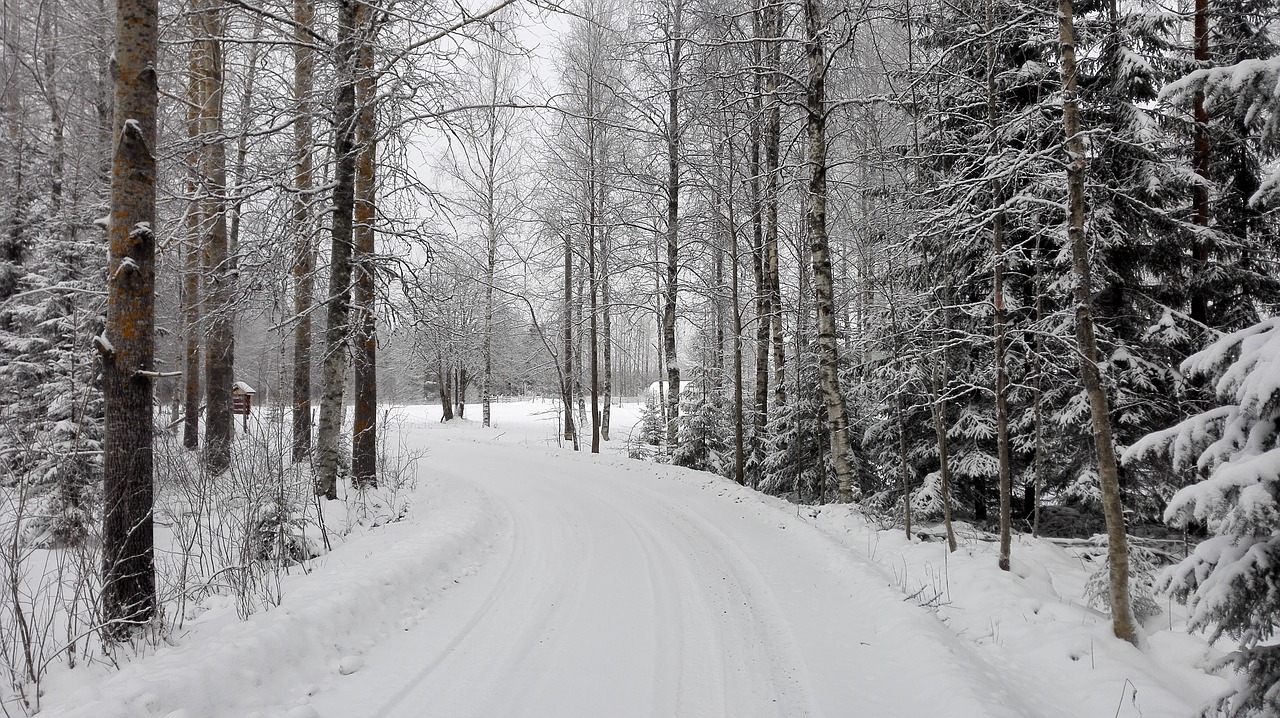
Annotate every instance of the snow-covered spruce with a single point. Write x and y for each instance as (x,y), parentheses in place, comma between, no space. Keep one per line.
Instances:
(1232,580)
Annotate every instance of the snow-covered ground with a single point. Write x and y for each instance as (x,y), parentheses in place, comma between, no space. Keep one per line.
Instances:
(531,581)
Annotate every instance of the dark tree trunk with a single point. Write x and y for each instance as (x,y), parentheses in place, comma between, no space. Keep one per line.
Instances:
(304,252)
(675,51)
(1201,157)
(997,301)
(566,380)
(772,171)
(191,268)
(364,436)
(219,264)
(128,349)
(758,263)
(444,378)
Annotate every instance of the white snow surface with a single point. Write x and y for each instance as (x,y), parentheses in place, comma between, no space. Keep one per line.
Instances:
(531,581)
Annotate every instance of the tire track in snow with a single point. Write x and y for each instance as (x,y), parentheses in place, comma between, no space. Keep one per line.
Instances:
(535,611)
(780,690)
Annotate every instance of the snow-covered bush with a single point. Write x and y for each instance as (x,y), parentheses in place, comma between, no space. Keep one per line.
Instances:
(1231,581)
(703,440)
(648,443)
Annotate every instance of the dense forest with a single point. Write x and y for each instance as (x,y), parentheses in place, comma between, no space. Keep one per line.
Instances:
(1006,262)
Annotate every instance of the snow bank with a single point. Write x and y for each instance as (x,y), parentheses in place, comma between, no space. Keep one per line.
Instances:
(350,599)
(1025,640)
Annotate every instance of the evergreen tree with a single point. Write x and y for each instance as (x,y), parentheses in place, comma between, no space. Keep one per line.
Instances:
(704,437)
(794,461)
(1231,580)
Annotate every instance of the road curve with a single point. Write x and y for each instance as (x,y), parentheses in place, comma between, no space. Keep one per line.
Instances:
(625,589)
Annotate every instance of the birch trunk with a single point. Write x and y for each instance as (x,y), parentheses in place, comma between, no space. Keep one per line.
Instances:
(334,374)
(1117,541)
(824,304)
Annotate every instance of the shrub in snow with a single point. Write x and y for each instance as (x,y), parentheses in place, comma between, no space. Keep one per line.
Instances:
(795,439)
(279,533)
(648,444)
(926,502)
(1232,580)
(703,441)
(1144,565)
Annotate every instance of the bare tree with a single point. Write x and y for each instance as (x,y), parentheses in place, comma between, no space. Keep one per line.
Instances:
(304,249)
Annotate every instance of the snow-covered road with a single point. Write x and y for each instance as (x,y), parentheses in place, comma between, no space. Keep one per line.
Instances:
(613,591)
(532,581)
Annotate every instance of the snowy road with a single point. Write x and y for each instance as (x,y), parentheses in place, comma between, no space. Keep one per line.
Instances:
(614,590)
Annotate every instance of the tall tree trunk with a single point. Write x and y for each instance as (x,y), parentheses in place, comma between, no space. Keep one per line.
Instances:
(238,169)
(675,57)
(579,362)
(1117,541)
(940,430)
(606,322)
(304,248)
(1201,156)
(1038,407)
(592,279)
(997,301)
(772,171)
(57,125)
(758,263)
(339,296)
(739,442)
(194,229)
(491,235)
(219,264)
(364,434)
(128,348)
(566,383)
(828,349)
(593,331)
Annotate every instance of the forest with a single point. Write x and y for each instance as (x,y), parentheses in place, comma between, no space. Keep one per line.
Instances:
(1001,262)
